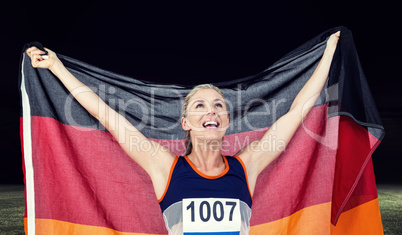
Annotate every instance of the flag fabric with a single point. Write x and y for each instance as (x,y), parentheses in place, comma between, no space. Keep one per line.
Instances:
(78,180)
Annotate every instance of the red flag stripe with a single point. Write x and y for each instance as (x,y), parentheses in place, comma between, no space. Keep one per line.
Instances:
(356,145)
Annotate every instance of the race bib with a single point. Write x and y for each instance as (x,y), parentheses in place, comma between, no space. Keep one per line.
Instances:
(211,216)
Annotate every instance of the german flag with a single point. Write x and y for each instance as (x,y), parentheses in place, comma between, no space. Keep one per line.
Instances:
(78,180)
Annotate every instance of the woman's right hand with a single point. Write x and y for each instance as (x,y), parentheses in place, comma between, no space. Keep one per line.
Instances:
(38,61)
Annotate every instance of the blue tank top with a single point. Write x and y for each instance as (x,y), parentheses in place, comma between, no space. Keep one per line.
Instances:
(195,203)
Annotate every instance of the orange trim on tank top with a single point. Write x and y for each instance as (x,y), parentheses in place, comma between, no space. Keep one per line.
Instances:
(170,177)
(245,173)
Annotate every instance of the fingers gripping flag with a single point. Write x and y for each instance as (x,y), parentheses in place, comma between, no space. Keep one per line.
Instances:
(79,181)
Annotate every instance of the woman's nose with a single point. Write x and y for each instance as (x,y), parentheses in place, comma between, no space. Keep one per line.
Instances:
(211,110)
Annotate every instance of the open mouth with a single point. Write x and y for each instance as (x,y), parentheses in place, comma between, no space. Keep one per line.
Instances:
(210,124)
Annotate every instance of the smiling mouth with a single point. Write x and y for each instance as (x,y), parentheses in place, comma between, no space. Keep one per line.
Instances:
(210,124)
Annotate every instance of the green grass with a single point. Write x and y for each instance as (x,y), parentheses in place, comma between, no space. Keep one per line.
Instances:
(390,200)
(12,209)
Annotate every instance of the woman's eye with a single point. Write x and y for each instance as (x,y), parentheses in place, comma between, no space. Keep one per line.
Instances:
(199,106)
(218,105)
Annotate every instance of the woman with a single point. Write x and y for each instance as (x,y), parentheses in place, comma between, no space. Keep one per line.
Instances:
(203,191)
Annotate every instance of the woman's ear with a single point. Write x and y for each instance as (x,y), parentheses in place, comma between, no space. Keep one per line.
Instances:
(184,124)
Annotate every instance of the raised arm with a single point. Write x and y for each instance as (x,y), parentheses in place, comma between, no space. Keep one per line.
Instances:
(253,155)
(156,160)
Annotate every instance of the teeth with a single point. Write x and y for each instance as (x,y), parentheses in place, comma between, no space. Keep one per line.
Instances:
(210,123)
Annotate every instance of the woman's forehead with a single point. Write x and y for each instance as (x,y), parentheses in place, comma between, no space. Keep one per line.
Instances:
(206,94)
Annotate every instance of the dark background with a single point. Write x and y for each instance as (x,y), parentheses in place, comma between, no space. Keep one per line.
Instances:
(197,43)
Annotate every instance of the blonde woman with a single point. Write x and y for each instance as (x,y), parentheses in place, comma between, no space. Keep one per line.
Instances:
(202,191)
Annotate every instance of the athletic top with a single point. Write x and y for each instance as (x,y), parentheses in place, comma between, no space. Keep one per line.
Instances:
(195,203)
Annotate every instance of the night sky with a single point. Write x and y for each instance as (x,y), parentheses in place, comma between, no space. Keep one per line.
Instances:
(200,43)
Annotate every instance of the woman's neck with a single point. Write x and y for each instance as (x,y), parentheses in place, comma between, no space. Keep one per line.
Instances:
(207,158)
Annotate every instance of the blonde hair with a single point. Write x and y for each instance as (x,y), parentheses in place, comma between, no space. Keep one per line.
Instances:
(189,145)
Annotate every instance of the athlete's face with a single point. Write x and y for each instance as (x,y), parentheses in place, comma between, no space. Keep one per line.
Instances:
(207,117)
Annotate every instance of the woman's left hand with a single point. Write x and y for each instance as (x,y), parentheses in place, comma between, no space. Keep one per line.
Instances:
(333,41)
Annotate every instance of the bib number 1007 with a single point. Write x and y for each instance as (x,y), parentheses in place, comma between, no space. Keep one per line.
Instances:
(211,215)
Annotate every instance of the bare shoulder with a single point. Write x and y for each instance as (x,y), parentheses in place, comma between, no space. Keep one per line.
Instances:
(160,164)
(161,156)
(153,157)
(246,154)
(251,163)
